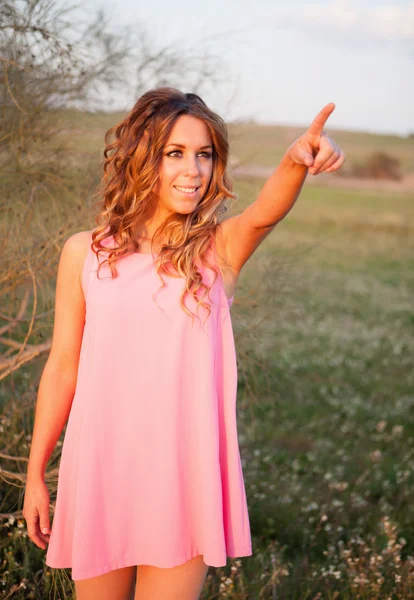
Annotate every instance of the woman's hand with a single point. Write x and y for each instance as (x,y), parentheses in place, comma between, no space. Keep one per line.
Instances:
(315,148)
(36,512)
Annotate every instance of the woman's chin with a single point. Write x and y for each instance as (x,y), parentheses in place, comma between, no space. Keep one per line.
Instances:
(185,207)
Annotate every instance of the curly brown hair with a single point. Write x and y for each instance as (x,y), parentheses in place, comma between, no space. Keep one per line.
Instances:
(131,169)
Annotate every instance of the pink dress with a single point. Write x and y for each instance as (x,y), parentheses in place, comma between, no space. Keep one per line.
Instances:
(150,470)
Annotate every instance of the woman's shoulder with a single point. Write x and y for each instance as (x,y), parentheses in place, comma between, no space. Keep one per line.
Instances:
(74,254)
(76,247)
(79,242)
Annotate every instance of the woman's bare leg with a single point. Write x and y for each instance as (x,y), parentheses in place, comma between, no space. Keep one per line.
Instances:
(184,582)
(118,584)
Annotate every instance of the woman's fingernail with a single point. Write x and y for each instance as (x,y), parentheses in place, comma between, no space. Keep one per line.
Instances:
(45,530)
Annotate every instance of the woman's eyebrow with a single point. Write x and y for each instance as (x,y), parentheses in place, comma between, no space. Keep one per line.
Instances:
(182,146)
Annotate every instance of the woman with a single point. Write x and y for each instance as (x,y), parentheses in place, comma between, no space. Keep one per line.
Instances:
(146,374)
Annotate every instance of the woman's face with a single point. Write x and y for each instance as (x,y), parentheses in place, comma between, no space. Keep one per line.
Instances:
(187,162)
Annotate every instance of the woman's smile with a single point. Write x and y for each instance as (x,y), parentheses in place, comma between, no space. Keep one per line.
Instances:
(188,191)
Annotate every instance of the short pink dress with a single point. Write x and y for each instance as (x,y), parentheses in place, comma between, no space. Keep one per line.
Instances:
(150,469)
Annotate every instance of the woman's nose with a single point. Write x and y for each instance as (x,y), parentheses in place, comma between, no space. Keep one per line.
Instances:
(192,166)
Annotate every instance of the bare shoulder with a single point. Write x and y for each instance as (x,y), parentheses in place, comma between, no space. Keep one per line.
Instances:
(75,250)
(79,242)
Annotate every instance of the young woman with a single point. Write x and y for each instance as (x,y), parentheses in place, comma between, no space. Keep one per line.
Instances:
(143,363)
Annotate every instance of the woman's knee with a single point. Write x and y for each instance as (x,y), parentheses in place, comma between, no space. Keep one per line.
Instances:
(118,584)
(184,582)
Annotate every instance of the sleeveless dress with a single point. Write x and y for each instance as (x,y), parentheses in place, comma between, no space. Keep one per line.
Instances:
(150,469)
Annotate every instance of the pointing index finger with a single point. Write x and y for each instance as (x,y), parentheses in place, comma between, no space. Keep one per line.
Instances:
(319,121)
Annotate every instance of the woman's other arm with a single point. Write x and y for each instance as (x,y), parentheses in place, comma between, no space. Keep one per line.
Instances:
(58,381)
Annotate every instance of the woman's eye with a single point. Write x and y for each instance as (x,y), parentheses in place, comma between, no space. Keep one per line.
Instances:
(206,154)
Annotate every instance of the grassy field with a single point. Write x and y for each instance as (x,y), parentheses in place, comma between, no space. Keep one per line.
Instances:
(328,430)
(323,320)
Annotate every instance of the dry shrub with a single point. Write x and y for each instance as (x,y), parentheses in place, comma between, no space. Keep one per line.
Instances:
(370,573)
(378,165)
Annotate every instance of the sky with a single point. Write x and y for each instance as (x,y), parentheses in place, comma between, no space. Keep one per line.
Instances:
(284,61)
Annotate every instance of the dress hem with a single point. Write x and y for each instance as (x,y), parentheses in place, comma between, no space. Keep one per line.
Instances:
(130,562)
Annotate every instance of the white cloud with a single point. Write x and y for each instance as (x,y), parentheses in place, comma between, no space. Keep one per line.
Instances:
(385,22)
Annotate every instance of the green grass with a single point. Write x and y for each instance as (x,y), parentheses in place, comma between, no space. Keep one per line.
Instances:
(335,394)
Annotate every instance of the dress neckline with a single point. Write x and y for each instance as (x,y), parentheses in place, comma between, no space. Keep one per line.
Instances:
(230,300)
(220,275)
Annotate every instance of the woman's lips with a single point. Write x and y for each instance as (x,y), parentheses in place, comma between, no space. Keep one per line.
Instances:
(190,194)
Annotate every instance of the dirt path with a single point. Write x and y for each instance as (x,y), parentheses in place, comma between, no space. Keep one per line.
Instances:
(406,185)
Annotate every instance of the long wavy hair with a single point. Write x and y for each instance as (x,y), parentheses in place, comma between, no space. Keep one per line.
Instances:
(131,169)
